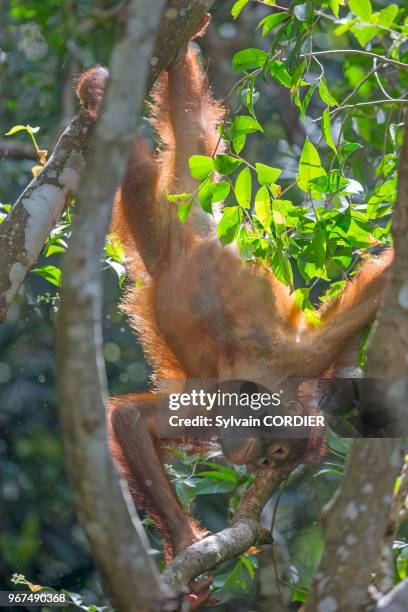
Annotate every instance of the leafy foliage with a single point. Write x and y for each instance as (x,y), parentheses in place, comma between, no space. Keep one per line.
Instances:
(321,229)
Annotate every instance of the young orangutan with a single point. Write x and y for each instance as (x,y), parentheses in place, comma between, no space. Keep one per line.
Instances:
(201,312)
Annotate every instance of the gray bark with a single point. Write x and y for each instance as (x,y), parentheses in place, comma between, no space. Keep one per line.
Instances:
(244,532)
(30,221)
(356,520)
(114,531)
(395,601)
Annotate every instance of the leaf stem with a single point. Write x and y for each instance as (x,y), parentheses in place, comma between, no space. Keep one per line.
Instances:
(359,104)
(382,58)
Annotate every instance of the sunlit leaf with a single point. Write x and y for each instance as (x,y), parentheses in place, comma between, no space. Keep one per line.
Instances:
(178,197)
(229,224)
(361,8)
(267,174)
(225,164)
(364,33)
(20,128)
(238,143)
(280,73)
(244,124)
(326,125)
(184,209)
(271,21)
(310,166)
(248,59)
(243,188)
(263,207)
(237,7)
(220,191)
(325,94)
(200,166)
(51,273)
(387,15)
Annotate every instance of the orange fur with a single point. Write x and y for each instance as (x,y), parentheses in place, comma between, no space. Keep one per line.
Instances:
(201,312)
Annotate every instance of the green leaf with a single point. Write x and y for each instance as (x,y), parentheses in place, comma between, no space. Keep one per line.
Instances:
(209,486)
(280,73)
(237,7)
(347,148)
(263,207)
(250,97)
(332,184)
(53,249)
(239,143)
(243,188)
(306,100)
(361,8)
(51,273)
(178,197)
(200,166)
(209,193)
(326,125)
(282,268)
(244,124)
(364,33)
(325,94)
(267,174)
(355,74)
(310,166)
(229,224)
(21,128)
(205,192)
(220,191)
(271,21)
(312,262)
(387,15)
(15,129)
(334,5)
(183,211)
(225,164)
(248,59)
(228,476)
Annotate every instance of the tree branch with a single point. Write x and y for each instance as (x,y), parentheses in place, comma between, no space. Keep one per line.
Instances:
(30,221)
(384,578)
(114,531)
(10,149)
(354,518)
(38,208)
(387,363)
(395,600)
(245,531)
(383,58)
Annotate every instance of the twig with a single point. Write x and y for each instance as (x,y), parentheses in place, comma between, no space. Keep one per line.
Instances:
(387,60)
(395,600)
(245,532)
(360,104)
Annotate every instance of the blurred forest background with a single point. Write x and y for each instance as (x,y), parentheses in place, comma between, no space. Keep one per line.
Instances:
(43,46)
